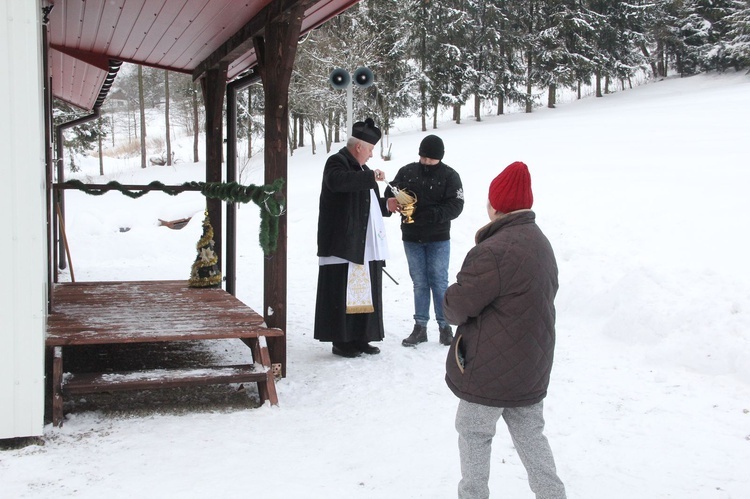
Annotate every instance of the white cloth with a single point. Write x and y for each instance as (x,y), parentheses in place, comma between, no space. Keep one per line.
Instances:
(376,242)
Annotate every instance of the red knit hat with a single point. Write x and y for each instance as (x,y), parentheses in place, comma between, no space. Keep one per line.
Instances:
(511,190)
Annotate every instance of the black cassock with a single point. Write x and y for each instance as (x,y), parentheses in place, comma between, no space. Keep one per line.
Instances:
(332,323)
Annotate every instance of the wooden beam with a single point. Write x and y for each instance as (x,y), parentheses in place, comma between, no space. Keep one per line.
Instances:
(276,51)
(230,274)
(214,85)
(242,42)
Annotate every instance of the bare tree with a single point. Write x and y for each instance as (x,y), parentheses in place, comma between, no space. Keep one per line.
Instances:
(166,117)
(196,123)
(143,116)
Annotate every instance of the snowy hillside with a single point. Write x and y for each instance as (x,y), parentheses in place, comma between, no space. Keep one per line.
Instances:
(643,194)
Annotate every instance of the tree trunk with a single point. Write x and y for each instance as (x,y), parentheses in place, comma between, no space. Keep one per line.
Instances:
(660,66)
(293,138)
(337,127)
(478,108)
(196,124)
(551,96)
(141,105)
(500,105)
(423,56)
(101,157)
(598,83)
(647,55)
(301,131)
(166,117)
(435,108)
(424,107)
(130,130)
(249,123)
(312,136)
(529,68)
(329,135)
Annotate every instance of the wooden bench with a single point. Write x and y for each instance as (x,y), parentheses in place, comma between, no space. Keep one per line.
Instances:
(106,313)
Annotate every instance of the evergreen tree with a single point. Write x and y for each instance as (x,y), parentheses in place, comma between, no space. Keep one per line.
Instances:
(79,139)
(718,16)
(391,96)
(482,52)
(421,47)
(553,65)
(619,41)
(738,38)
(508,78)
(579,35)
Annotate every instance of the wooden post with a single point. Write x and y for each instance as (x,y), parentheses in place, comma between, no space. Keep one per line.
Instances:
(57,375)
(214,85)
(276,52)
(233,88)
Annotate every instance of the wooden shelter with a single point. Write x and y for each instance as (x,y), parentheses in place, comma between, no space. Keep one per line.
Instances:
(224,44)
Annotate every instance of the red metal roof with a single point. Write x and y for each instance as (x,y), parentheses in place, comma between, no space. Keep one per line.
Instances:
(178,35)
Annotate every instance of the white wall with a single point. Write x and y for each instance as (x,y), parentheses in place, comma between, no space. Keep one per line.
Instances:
(23,267)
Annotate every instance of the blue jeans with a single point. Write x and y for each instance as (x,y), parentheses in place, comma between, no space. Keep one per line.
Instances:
(428,268)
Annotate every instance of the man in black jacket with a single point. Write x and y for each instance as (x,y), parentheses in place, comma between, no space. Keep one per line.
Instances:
(440,199)
(352,248)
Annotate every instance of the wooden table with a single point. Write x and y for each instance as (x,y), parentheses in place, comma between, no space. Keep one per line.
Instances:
(101,313)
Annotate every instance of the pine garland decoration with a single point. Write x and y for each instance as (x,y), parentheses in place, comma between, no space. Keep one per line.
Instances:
(268,197)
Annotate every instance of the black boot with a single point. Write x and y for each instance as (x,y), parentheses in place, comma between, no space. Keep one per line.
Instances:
(446,335)
(365,347)
(419,335)
(345,349)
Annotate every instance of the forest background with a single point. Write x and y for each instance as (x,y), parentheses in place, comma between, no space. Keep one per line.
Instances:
(493,56)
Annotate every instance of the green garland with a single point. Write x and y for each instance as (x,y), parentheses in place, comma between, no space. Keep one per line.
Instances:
(268,197)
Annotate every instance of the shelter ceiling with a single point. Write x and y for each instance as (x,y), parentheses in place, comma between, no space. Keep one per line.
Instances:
(86,36)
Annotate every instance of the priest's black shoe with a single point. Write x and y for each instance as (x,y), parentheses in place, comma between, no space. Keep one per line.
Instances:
(349,350)
(365,347)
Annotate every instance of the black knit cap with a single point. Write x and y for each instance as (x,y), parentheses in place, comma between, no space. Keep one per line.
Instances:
(432,147)
(367,131)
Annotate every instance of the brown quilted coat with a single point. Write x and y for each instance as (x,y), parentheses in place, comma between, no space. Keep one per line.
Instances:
(503,304)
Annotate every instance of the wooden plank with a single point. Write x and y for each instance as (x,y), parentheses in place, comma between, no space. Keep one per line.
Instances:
(148,311)
(162,378)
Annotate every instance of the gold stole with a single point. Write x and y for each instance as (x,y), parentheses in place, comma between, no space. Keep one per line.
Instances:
(359,290)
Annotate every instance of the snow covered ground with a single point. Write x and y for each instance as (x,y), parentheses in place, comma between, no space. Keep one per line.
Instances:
(643,194)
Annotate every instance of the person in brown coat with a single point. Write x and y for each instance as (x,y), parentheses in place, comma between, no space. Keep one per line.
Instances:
(500,360)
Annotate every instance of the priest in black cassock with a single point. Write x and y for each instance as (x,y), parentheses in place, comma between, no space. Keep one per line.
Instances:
(352,248)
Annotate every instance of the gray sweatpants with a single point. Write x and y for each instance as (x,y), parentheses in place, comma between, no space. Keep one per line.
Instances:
(476,426)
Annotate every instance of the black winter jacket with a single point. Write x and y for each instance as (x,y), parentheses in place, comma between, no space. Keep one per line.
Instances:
(440,199)
(345,207)
(503,304)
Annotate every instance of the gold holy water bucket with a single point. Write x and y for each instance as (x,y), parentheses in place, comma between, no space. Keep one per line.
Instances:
(406,201)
